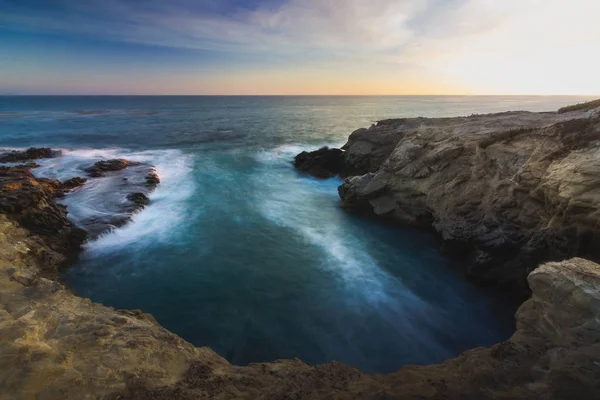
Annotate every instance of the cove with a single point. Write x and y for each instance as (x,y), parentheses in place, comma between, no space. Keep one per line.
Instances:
(239,252)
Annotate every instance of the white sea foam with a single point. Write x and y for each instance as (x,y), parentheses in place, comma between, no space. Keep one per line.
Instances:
(157,222)
(295,203)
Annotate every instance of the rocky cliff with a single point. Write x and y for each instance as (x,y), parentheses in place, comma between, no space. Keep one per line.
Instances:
(504,191)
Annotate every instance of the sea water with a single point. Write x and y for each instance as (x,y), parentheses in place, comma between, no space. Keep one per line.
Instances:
(238,251)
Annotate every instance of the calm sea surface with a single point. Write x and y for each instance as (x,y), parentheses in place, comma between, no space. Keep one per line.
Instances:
(241,253)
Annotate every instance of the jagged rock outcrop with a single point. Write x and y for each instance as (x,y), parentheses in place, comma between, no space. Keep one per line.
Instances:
(323,163)
(505,191)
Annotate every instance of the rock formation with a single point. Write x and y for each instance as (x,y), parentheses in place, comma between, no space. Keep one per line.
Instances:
(504,191)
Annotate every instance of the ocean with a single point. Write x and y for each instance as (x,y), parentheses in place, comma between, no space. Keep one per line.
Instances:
(239,252)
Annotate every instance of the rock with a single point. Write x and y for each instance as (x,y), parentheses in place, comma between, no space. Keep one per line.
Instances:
(28,165)
(323,163)
(101,167)
(29,154)
(73,183)
(520,188)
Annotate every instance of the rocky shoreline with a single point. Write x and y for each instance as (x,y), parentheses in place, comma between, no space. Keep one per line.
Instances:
(504,192)
(56,345)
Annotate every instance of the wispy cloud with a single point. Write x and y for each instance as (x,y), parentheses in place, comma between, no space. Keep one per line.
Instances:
(464,41)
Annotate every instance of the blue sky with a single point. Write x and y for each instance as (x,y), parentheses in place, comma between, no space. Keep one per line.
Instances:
(299,47)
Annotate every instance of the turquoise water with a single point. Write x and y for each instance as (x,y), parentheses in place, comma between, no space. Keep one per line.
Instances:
(241,253)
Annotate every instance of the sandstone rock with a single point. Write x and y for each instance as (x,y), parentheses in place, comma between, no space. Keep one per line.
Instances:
(520,188)
(323,163)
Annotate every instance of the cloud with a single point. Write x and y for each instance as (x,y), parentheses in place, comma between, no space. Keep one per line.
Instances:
(529,46)
(293,27)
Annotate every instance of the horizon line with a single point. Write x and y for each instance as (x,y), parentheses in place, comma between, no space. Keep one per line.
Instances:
(300,95)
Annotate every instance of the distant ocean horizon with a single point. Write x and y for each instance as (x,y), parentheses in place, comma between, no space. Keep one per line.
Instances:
(238,251)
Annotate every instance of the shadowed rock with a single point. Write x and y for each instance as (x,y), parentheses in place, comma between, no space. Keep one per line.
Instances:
(323,163)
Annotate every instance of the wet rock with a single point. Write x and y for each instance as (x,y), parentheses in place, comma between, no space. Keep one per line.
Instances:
(32,153)
(73,183)
(140,200)
(100,168)
(323,163)
(152,179)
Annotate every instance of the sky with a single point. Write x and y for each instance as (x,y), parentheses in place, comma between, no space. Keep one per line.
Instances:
(322,47)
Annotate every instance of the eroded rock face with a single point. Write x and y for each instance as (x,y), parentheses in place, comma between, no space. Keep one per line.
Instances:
(505,191)
(323,163)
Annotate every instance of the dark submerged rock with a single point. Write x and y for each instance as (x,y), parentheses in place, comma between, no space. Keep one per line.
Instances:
(323,163)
